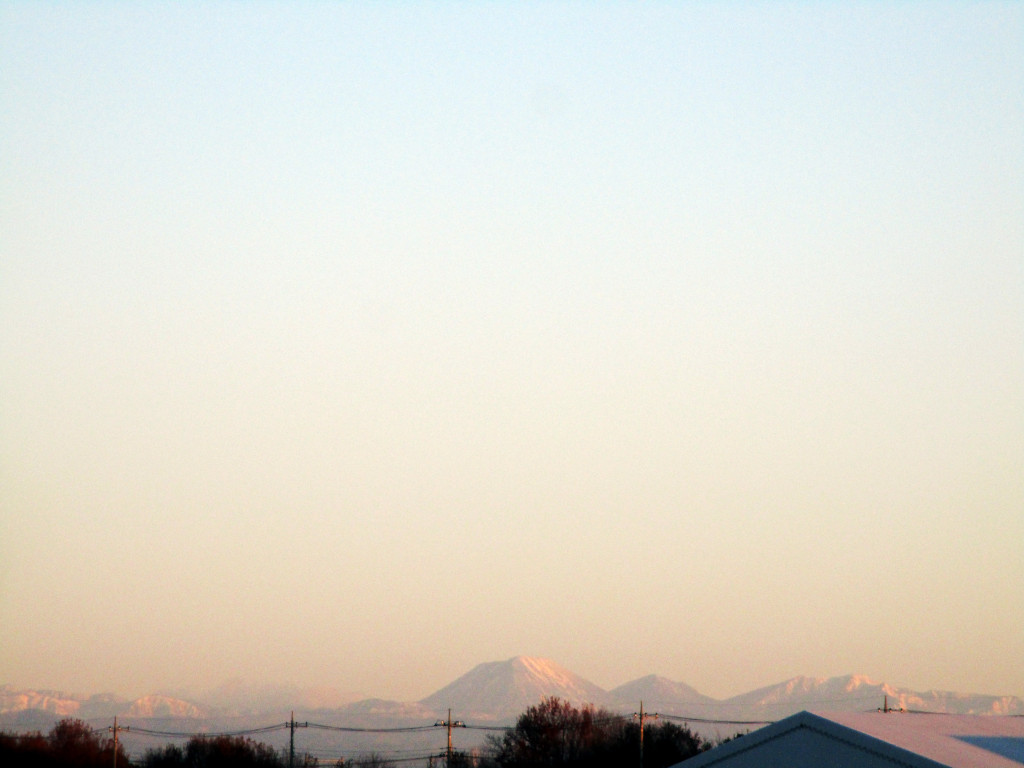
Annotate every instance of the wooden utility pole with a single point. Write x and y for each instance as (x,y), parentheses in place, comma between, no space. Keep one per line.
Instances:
(115,729)
(450,724)
(292,725)
(291,741)
(641,716)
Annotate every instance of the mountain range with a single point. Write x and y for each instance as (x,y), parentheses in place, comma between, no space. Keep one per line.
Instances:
(497,692)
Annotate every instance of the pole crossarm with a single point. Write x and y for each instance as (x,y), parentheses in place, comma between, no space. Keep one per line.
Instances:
(449,724)
(115,729)
(642,716)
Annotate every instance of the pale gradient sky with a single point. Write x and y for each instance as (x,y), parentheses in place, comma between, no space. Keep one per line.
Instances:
(356,344)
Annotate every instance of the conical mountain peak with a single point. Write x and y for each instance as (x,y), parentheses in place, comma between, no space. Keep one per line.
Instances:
(503,689)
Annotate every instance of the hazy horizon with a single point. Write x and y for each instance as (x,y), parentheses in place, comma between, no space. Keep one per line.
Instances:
(357,344)
(248,688)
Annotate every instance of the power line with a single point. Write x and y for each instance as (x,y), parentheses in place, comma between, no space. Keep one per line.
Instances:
(207,734)
(398,759)
(352,756)
(713,721)
(357,753)
(281,727)
(347,729)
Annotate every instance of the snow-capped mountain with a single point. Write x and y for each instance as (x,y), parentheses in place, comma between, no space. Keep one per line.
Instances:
(59,703)
(503,689)
(836,693)
(858,693)
(164,706)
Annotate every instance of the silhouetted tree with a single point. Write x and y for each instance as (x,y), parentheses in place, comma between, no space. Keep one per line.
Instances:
(25,751)
(169,756)
(665,743)
(555,734)
(73,742)
(370,760)
(69,744)
(214,752)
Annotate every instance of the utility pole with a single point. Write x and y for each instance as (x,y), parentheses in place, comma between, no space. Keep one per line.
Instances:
(115,729)
(641,716)
(292,725)
(886,709)
(450,724)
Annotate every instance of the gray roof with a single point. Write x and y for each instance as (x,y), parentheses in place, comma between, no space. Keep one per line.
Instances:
(875,740)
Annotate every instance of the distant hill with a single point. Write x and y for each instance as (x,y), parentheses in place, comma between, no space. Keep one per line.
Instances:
(164,706)
(859,693)
(659,693)
(496,691)
(237,697)
(388,708)
(60,703)
(57,702)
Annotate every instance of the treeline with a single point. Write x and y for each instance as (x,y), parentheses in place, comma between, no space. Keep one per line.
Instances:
(69,744)
(552,734)
(74,744)
(555,734)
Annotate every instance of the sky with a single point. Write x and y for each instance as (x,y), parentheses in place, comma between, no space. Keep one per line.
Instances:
(356,344)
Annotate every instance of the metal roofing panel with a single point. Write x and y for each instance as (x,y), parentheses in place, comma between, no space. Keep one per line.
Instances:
(859,739)
(959,741)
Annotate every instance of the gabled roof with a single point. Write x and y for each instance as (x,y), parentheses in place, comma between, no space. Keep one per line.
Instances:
(875,739)
(971,741)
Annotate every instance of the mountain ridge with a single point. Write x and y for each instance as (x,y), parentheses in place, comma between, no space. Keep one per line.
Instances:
(501,690)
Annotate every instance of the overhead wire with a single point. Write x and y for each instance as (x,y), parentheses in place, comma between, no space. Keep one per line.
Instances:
(713,721)
(207,734)
(372,757)
(348,729)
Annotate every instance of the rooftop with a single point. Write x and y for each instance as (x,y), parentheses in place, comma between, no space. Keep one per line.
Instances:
(959,741)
